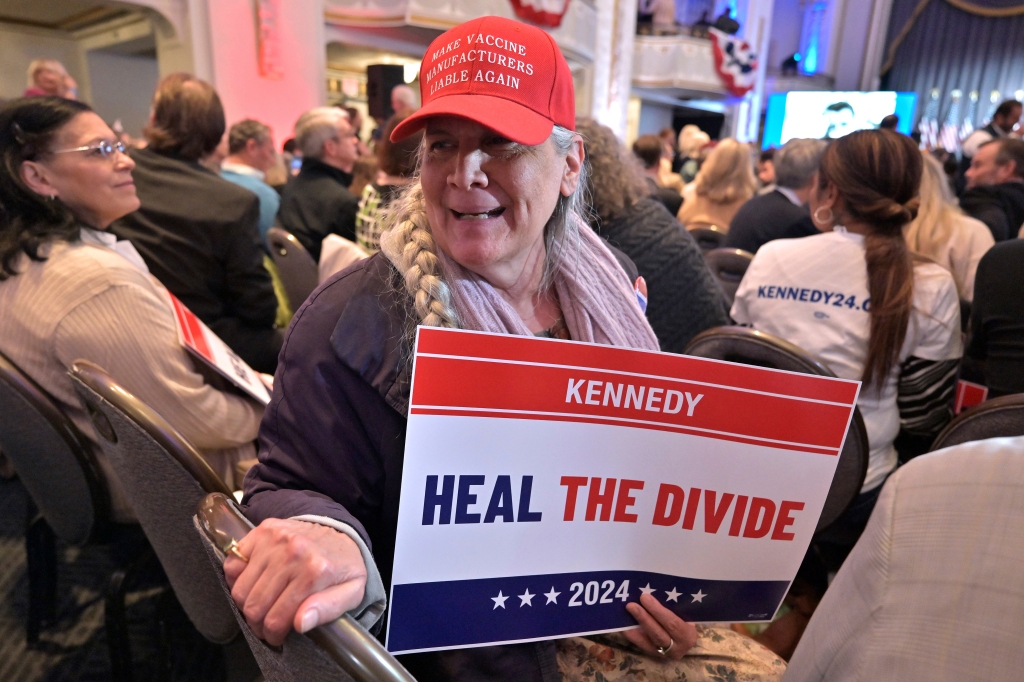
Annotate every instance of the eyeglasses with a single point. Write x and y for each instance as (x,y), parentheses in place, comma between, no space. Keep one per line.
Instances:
(104,149)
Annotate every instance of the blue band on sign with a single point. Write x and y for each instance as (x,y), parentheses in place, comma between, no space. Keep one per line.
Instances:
(471,612)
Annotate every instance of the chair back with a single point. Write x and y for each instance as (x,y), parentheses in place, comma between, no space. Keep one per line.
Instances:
(52,457)
(709,237)
(997,418)
(750,347)
(728,266)
(164,478)
(341,650)
(296,267)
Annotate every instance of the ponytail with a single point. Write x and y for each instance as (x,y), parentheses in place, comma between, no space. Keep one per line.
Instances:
(877,173)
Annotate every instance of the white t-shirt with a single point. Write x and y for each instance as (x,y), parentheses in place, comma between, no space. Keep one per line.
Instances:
(812,292)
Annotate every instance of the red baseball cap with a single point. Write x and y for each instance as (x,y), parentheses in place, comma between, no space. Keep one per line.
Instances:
(502,74)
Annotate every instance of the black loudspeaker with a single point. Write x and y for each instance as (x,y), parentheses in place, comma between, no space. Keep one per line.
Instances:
(380,80)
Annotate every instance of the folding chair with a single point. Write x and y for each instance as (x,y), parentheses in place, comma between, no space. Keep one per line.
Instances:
(997,418)
(709,237)
(341,650)
(164,479)
(297,269)
(750,347)
(728,266)
(68,493)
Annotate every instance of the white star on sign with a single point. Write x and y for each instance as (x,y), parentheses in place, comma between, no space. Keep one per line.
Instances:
(648,589)
(673,595)
(499,600)
(698,597)
(552,596)
(526,599)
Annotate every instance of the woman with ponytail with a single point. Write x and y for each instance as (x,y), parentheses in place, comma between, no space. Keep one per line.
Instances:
(856,298)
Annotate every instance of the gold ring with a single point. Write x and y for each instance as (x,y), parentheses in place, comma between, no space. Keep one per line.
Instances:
(663,650)
(233,549)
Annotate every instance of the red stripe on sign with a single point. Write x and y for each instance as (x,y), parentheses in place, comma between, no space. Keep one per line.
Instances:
(444,382)
(492,346)
(455,412)
(192,330)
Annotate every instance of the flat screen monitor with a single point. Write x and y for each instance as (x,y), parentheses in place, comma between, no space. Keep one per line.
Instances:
(833,114)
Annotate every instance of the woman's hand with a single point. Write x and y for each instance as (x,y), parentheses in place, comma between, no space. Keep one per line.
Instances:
(659,627)
(299,575)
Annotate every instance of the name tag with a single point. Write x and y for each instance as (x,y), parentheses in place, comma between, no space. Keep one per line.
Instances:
(548,483)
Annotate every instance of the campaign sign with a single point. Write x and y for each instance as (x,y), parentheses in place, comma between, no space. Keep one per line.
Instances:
(547,483)
(208,347)
(969,394)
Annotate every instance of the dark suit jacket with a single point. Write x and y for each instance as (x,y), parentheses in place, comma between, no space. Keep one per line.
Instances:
(317,203)
(765,218)
(997,317)
(1001,207)
(198,234)
(670,198)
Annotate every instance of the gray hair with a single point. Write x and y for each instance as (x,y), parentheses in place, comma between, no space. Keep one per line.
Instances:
(315,127)
(410,246)
(245,130)
(797,162)
(405,95)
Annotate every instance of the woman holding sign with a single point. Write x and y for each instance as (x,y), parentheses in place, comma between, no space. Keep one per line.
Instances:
(488,237)
(70,290)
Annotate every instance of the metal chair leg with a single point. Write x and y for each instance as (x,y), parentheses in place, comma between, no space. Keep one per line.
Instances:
(116,622)
(41,554)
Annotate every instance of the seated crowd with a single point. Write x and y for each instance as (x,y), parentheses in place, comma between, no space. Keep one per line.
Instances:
(540,224)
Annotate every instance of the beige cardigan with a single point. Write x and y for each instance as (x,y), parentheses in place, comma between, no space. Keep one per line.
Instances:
(88,302)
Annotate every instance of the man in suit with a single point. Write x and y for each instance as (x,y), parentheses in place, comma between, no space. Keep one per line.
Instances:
(317,202)
(781,213)
(198,232)
(649,149)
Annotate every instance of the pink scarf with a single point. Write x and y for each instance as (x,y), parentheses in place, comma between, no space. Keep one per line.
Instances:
(596,297)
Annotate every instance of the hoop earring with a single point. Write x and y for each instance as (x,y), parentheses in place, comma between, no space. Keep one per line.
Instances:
(823,221)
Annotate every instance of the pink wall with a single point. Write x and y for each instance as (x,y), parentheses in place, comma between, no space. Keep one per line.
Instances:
(244,92)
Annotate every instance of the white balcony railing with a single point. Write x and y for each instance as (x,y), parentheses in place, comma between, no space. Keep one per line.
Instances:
(575,36)
(676,62)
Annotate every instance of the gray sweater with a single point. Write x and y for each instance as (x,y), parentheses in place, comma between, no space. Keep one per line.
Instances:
(684,298)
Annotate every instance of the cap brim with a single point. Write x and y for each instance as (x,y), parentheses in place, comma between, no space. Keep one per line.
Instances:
(507,118)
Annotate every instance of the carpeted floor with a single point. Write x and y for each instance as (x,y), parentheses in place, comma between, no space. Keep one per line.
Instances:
(75,648)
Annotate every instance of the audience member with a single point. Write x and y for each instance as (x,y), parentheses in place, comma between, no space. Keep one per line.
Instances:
(781,213)
(724,183)
(70,291)
(197,231)
(403,100)
(215,158)
(766,171)
(317,202)
(355,119)
(683,297)
(943,233)
(49,77)
(692,141)
(1004,120)
(397,164)
(995,187)
(364,172)
(933,591)
(650,149)
(889,122)
(498,203)
(251,155)
(996,340)
(856,299)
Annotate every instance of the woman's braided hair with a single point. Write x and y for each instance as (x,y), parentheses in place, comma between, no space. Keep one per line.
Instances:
(410,246)
(418,262)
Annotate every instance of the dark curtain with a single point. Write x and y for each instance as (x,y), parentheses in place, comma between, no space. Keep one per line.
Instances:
(949,49)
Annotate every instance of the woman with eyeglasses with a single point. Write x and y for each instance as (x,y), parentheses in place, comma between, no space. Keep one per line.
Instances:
(70,290)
